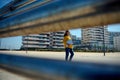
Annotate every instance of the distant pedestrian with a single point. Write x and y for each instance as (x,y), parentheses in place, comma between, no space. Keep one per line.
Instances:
(68,44)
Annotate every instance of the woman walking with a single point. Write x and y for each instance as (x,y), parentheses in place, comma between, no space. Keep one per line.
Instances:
(68,44)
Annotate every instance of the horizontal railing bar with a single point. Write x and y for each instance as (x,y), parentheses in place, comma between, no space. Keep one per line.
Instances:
(39,68)
(62,15)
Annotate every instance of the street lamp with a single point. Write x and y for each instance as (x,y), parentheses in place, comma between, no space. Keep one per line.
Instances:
(27,45)
(0,43)
(103,41)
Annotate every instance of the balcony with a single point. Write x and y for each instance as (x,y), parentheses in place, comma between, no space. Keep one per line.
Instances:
(57,34)
(44,43)
(57,47)
(59,44)
(42,35)
(34,38)
(37,35)
(61,32)
(33,42)
(58,37)
(34,46)
(57,40)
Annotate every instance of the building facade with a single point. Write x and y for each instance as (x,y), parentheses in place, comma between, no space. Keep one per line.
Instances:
(76,41)
(46,40)
(111,38)
(56,39)
(112,35)
(93,37)
(116,41)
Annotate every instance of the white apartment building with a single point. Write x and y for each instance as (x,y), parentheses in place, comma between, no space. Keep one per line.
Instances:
(56,39)
(117,43)
(36,41)
(94,36)
(111,38)
(46,40)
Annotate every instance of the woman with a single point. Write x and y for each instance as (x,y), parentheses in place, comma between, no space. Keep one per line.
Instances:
(68,45)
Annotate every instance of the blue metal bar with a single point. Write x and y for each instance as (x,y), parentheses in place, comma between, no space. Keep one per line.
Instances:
(59,70)
(82,13)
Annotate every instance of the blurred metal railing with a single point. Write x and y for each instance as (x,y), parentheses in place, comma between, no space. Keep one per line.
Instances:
(46,69)
(40,16)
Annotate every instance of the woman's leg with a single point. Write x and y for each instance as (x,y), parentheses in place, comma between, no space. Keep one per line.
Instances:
(67,53)
(72,54)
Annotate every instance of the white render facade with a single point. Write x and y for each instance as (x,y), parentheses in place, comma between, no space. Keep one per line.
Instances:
(111,38)
(94,36)
(56,39)
(117,43)
(46,40)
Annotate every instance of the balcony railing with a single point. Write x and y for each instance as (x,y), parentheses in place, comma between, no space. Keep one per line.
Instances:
(58,37)
(57,47)
(35,38)
(34,46)
(57,40)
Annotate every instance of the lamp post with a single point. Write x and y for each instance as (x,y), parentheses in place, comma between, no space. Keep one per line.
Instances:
(27,45)
(0,43)
(103,41)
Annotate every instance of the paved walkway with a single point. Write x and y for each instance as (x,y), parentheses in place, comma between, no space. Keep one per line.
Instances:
(5,75)
(79,56)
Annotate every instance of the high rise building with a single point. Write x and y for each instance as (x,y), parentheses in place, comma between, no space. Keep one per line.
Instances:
(93,37)
(111,38)
(76,40)
(117,43)
(36,41)
(46,40)
(56,39)
(112,35)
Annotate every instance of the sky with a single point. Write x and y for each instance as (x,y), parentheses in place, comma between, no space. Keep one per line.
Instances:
(16,42)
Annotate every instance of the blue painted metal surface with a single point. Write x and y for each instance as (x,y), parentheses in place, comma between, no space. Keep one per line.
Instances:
(60,70)
(57,6)
(28,13)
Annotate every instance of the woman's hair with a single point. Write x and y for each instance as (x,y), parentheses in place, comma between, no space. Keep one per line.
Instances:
(66,33)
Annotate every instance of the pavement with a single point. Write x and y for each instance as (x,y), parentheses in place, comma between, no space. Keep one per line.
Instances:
(5,75)
(113,58)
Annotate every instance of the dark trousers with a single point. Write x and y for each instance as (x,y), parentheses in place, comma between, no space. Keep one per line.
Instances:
(69,50)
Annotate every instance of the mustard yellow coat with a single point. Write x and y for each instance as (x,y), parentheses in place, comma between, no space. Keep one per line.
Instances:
(66,38)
